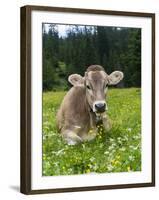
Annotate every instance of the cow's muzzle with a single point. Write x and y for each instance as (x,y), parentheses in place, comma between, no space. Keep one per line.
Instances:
(99,106)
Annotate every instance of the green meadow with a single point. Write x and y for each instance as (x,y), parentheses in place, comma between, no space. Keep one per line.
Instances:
(118,150)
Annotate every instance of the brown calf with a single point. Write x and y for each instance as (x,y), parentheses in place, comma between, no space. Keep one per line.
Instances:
(85,104)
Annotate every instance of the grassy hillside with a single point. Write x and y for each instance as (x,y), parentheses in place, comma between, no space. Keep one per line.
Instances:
(118,150)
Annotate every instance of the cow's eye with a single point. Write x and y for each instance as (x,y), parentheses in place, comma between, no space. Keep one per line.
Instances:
(88,87)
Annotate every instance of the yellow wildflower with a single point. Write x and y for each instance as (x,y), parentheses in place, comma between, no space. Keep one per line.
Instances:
(116,162)
(128,168)
(117,157)
(112,161)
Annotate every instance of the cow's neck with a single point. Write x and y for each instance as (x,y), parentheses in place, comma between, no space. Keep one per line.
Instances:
(97,119)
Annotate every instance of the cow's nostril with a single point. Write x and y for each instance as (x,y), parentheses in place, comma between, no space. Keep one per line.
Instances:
(100,107)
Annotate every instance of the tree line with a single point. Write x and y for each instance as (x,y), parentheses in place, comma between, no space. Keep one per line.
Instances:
(80,46)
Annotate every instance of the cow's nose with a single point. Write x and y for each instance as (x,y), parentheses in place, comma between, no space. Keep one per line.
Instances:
(100,107)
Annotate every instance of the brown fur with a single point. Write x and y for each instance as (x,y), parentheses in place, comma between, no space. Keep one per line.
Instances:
(76,117)
(95,68)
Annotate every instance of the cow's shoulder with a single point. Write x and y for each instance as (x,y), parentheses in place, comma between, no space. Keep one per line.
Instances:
(76,99)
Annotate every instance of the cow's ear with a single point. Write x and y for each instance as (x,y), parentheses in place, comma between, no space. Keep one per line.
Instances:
(115,77)
(76,80)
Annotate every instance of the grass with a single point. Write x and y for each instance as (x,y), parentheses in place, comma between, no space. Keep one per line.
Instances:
(118,150)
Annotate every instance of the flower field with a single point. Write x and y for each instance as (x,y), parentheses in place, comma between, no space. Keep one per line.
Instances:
(118,150)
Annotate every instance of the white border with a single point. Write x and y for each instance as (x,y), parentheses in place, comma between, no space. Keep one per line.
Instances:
(39,182)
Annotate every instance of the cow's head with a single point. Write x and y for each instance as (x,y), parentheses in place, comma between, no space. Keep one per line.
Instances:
(96,82)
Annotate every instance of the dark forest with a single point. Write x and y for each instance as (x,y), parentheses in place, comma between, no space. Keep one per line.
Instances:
(80,46)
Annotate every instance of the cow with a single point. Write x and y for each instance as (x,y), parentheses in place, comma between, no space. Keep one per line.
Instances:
(85,104)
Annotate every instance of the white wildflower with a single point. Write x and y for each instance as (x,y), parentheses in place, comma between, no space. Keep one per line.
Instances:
(111,140)
(92,159)
(109,167)
(60,152)
(129,129)
(131,158)
(122,149)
